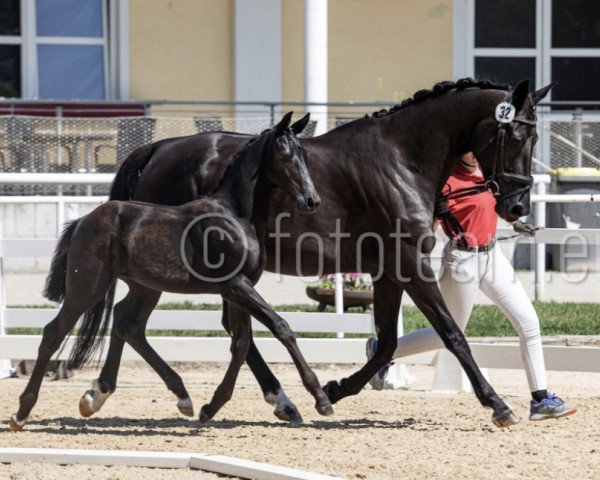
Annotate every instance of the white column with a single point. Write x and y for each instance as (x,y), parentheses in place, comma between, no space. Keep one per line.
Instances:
(315,60)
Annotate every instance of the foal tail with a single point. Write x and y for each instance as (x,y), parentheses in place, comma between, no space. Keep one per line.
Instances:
(92,330)
(56,281)
(95,321)
(125,182)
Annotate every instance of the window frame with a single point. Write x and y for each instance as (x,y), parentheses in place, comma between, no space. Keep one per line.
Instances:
(464,49)
(114,42)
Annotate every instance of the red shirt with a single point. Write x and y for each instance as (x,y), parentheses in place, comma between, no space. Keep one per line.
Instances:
(475,213)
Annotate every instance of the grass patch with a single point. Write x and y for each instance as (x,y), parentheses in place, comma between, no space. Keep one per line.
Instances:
(486,320)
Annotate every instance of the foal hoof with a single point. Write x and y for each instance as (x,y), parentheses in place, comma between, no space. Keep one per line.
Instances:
(505,418)
(14,424)
(86,405)
(204,417)
(324,408)
(186,407)
(289,413)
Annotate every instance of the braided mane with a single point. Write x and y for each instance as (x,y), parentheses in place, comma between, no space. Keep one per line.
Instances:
(439,89)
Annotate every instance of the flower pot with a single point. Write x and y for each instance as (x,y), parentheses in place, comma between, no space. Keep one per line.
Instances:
(352,298)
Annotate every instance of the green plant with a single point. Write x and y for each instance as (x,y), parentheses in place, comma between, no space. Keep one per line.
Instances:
(350,281)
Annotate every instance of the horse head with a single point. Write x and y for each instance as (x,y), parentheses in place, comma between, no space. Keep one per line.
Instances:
(287,166)
(503,144)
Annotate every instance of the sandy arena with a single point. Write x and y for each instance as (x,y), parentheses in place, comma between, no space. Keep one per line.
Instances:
(376,435)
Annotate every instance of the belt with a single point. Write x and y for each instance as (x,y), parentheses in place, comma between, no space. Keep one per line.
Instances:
(479,249)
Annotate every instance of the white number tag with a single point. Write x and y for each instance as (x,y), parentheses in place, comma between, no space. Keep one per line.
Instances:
(505,112)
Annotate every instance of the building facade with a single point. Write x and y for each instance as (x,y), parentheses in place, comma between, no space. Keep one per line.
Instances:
(378,50)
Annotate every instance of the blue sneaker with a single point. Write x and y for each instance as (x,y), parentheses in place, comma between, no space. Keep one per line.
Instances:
(377,381)
(550,407)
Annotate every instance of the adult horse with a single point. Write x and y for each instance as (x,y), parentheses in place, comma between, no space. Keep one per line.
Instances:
(214,244)
(379,178)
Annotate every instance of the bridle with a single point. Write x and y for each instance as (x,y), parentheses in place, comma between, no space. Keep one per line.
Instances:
(498,172)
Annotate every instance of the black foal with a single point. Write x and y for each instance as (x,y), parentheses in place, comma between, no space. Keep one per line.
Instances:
(211,245)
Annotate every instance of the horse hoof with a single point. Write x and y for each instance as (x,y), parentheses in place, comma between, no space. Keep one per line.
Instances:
(203,415)
(505,419)
(15,425)
(324,408)
(186,407)
(289,414)
(86,405)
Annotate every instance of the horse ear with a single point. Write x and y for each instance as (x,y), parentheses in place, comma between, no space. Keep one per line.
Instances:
(519,94)
(542,92)
(283,124)
(300,125)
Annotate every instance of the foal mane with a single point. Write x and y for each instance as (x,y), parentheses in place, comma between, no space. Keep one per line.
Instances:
(438,90)
(237,158)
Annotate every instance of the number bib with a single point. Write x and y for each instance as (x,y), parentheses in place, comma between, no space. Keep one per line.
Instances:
(505,112)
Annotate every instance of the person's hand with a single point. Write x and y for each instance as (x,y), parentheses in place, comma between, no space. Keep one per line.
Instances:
(441,207)
(524,228)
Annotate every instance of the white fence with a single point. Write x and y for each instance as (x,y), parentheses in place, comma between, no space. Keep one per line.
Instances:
(217,349)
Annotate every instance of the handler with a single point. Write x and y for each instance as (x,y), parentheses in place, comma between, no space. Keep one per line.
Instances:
(470,261)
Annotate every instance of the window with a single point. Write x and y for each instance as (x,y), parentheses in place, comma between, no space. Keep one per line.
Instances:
(543,40)
(60,49)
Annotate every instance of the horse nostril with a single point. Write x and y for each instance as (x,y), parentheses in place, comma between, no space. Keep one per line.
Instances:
(312,203)
(517,210)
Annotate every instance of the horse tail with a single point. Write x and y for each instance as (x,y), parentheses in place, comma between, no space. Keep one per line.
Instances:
(125,182)
(92,330)
(56,281)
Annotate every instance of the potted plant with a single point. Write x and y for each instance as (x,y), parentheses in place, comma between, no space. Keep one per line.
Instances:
(357,290)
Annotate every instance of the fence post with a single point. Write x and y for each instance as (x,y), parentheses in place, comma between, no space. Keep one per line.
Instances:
(398,375)
(6,368)
(540,248)
(339,298)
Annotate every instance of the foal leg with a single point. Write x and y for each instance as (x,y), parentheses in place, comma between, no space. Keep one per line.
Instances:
(53,336)
(273,393)
(241,292)
(130,318)
(240,330)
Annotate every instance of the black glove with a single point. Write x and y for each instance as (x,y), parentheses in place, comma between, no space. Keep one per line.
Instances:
(524,228)
(441,207)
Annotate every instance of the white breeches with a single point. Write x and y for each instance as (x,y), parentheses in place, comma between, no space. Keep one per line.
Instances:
(461,275)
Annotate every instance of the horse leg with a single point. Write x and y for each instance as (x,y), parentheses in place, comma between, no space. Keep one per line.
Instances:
(105,385)
(240,331)
(273,393)
(387,296)
(429,300)
(130,326)
(241,292)
(52,338)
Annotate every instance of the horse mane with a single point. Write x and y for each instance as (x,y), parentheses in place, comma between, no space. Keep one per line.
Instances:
(440,89)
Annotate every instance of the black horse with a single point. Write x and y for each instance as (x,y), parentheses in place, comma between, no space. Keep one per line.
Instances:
(211,245)
(379,177)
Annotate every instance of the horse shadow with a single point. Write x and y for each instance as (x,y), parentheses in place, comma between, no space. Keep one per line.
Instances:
(149,427)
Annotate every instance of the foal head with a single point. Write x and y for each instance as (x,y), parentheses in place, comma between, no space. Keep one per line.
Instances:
(285,165)
(504,143)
